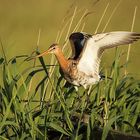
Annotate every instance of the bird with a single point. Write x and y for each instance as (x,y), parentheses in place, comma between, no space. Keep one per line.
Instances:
(82,68)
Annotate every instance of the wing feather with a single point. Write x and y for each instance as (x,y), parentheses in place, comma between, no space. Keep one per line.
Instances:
(77,41)
(94,47)
(113,39)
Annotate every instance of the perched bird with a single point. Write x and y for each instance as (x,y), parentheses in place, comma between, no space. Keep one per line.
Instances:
(82,69)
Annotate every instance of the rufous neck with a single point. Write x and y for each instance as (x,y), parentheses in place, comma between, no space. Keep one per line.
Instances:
(63,62)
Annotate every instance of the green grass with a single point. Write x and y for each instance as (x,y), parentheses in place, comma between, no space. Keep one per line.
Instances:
(36,105)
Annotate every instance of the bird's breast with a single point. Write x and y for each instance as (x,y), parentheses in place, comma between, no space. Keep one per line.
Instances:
(78,78)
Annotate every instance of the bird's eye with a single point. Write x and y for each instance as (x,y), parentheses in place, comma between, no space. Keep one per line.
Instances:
(53,48)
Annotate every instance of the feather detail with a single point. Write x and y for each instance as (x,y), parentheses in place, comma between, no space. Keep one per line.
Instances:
(77,41)
(94,47)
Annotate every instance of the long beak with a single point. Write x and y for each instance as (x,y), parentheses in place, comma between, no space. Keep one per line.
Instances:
(34,57)
(44,53)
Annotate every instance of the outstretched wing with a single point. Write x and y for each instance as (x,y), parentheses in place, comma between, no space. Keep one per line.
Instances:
(95,45)
(113,39)
(78,40)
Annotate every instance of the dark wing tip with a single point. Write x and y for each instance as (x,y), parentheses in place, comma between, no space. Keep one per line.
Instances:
(135,36)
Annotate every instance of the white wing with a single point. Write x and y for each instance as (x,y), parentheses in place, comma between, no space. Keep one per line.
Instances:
(94,47)
(113,39)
